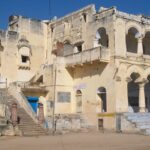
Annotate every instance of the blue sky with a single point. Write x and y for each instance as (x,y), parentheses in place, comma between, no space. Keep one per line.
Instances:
(40,8)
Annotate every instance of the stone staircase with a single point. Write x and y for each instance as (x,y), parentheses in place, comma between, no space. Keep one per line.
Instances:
(28,126)
(141,121)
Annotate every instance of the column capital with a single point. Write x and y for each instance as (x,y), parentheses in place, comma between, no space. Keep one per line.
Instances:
(128,79)
(140,40)
(141,85)
(142,81)
(140,45)
(139,37)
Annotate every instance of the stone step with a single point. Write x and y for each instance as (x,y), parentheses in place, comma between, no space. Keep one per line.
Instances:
(137,118)
(141,121)
(27,125)
(136,114)
(34,130)
(33,134)
(143,126)
(147,131)
(25,117)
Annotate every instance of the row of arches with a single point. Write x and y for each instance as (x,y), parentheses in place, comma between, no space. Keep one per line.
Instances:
(134,93)
(101,94)
(132,38)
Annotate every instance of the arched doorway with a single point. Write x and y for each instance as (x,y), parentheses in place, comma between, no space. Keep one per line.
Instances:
(133,93)
(102,95)
(78,101)
(147,94)
(131,40)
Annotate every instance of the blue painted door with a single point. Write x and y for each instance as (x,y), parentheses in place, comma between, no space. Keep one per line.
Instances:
(33,101)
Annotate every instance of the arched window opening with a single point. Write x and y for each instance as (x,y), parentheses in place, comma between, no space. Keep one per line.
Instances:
(24,57)
(146,44)
(101,38)
(24,53)
(85,17)
(102,95)
(131,40)
(78,48)
(78,101)
(133,93)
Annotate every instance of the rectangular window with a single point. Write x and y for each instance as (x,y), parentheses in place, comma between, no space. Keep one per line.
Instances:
(79,47)
(64,97)
(24,59)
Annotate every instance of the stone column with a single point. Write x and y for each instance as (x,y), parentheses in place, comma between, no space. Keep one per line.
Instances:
(140,46)
(142,107)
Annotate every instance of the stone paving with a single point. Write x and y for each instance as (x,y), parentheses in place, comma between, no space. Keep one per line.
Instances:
(78,141)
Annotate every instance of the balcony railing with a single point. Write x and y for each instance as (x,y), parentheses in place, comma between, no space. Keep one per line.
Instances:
(88,56)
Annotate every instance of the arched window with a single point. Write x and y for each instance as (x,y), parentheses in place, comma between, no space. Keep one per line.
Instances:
(133,93)
(146,44)
(101,38)
(78,101)
(78,48)
(102,94)
(131,40)
(24,53)
(24,57)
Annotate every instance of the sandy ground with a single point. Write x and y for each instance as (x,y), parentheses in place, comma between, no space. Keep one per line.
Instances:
(78,141)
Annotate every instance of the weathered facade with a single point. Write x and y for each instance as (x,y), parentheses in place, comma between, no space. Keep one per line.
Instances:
(92,63)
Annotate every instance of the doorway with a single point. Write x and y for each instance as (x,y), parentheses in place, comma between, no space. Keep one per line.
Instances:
(102,95)
(78,101)
(33,101)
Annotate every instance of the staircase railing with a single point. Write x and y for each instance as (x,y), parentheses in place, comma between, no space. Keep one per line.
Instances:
(16,92)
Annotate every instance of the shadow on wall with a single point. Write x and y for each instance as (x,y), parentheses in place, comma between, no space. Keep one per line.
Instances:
(87,70)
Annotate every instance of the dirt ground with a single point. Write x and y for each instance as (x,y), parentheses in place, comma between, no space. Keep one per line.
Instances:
(78,141)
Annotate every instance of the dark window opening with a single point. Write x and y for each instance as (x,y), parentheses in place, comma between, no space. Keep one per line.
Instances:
(102,94)
(52,29)
(24,59)
(79,48)
(40,80)
(102,37)
(85,18)
(133,93)
(131,40)
(146,45)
